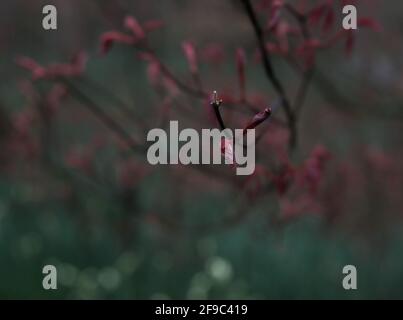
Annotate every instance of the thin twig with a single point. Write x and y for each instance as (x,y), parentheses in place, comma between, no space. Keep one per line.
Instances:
(307,74)
(215,103)
(291,120)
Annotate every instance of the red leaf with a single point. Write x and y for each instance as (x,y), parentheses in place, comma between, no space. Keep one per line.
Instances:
(134,26)
(190,53)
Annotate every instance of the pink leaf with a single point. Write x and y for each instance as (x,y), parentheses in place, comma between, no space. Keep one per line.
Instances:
(190,53)
(134,26)
(227,150)
(110,37)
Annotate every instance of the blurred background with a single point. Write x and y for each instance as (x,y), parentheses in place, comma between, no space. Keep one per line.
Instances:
(76,190)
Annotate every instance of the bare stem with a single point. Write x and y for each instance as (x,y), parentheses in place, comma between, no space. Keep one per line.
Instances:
(215,103)
(307,75)
(291,120)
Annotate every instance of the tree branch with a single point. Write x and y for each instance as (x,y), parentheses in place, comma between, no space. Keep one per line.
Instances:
(291,121)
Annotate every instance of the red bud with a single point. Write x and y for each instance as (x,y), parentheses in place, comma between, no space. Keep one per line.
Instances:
(258,119)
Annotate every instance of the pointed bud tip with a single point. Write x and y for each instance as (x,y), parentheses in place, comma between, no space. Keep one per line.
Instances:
(268,110)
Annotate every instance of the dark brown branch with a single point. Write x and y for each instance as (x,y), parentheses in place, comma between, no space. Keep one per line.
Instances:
(215,103)
(300,17)
(303,90)
(291,121)
(307,74)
